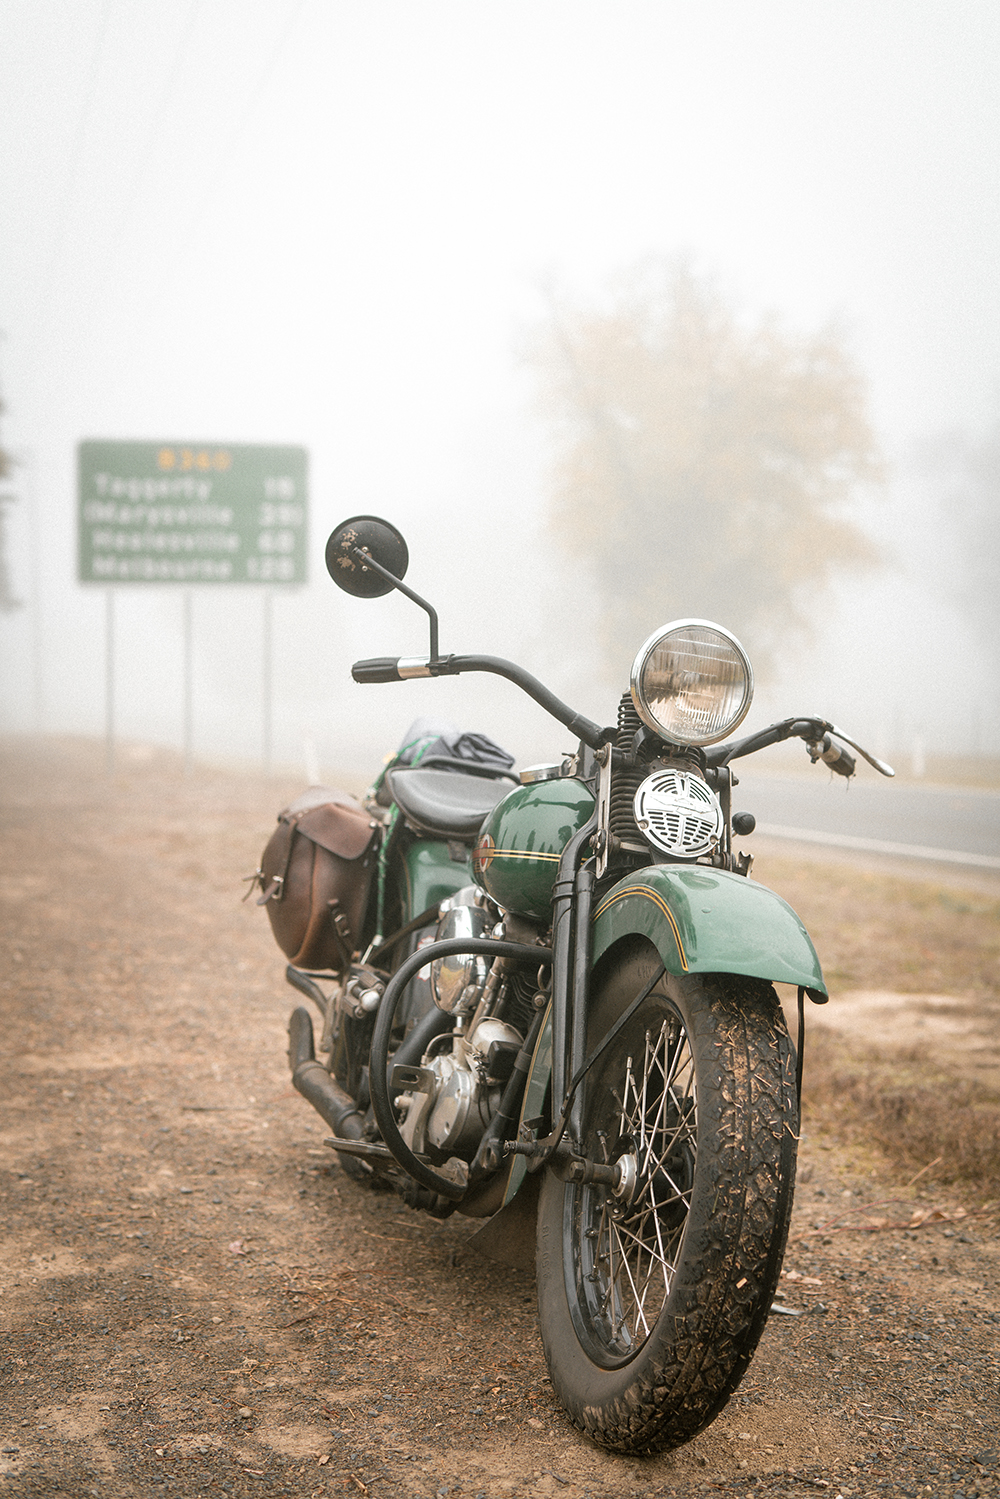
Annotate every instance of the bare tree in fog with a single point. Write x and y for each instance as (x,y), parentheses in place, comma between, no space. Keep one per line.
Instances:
(704,465)
(8,600)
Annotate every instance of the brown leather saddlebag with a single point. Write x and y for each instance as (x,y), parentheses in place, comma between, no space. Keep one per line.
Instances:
(314,876)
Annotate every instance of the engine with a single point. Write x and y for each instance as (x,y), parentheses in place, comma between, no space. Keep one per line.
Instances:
(448,1100)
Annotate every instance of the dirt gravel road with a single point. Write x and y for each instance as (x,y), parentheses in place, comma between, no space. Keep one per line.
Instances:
(195,1301)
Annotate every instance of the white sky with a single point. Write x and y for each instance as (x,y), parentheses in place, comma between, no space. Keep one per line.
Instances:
(324,222)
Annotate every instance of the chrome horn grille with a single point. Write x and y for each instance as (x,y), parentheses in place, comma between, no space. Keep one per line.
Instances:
(678,813)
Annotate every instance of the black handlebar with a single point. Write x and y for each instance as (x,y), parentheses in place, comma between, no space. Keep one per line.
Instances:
(386,669)
(788,728)
(378,669)
(815,731)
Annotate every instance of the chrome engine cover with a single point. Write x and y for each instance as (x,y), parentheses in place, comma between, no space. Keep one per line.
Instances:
(451,1098)
(460,1111)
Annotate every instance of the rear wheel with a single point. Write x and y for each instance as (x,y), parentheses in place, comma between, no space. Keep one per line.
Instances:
(653,1294)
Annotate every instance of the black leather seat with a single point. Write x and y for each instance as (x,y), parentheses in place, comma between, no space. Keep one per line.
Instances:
(444,802)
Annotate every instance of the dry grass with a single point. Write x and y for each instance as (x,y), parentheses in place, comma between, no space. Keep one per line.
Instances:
(921,1116)
(874,930)
(916,1105)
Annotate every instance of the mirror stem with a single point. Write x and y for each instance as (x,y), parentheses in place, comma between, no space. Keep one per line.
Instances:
(362,555)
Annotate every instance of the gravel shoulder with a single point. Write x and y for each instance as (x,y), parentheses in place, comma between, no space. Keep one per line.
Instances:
(195,1300)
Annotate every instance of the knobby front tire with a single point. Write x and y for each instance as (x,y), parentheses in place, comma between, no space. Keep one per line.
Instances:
(652,1301)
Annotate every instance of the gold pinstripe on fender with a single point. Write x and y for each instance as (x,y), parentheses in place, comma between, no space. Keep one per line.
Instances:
(658,901)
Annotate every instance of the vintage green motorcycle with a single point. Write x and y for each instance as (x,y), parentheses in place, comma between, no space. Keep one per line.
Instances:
(547,1002)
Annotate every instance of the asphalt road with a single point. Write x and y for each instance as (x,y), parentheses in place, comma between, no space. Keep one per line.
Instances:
(944,824)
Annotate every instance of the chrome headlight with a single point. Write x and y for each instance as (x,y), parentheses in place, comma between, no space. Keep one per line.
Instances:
(692,682)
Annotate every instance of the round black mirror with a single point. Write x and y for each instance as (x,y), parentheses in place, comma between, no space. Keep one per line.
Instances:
(383,543)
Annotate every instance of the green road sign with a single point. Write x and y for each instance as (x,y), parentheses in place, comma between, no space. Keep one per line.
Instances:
(174,512)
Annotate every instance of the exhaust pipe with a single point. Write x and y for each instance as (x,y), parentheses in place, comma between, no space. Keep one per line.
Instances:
(312,1080)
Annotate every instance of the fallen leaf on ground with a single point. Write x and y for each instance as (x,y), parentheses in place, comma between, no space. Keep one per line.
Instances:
(936,1215)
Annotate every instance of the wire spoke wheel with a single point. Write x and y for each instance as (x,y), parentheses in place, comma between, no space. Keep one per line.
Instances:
(628,1243)
(653,1292)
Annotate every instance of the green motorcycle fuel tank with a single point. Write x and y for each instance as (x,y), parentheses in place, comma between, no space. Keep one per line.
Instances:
(516,858)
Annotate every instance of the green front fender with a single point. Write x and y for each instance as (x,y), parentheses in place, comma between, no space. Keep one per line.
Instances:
(699,920)
(704,920)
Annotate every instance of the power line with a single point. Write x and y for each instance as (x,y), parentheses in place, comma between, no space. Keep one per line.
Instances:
(233,141)
(278,46)
(133,189)
(75,156)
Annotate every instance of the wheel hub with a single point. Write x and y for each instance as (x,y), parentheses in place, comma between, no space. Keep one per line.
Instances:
(626,1176)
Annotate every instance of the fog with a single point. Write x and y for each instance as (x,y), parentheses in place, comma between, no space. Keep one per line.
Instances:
(332,224)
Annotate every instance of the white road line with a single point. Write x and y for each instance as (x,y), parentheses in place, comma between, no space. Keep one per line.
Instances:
(876,846)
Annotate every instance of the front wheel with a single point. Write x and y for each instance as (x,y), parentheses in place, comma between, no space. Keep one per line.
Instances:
(652,1295)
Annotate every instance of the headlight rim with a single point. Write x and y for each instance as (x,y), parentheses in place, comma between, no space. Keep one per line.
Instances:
(642,706)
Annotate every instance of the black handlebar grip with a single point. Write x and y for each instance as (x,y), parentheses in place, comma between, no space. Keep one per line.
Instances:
(845,763)
(378,669)
(840,761)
